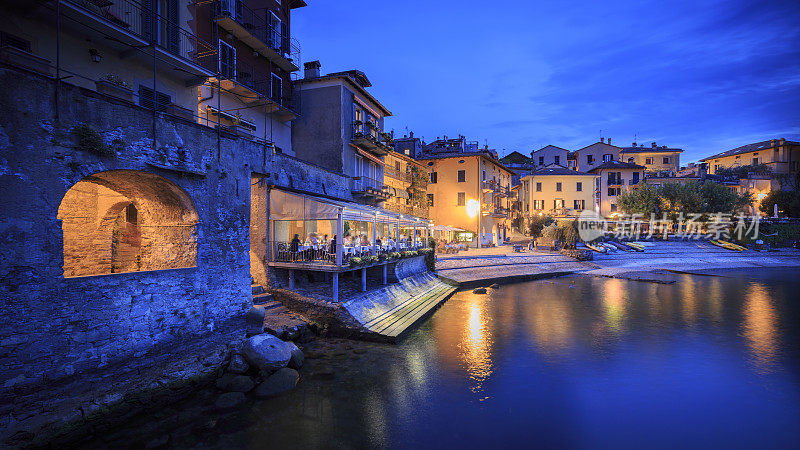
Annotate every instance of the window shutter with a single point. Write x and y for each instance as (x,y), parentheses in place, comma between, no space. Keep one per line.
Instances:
(172,39)
(145,97)
(148,19)
(284,38)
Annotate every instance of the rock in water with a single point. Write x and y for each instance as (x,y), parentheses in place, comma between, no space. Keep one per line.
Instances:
(297,359)
(235,383)
(480,290)
(229,400)
(238,364)
(495,286)
(283,380)
(267,352)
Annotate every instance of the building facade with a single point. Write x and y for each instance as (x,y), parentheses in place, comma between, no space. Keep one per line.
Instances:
(780,155)
(595,154)
(557,191)
(548,155)
(614,178)
(407,182)
(470,190)
(341,129)
(659,159)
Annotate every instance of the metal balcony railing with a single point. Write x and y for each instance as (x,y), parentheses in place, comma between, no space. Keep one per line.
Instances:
(262,26)
(402,175)
(369,136)
(362,184)
(159,29)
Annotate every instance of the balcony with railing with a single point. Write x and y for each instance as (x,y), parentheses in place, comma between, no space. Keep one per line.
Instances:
(370,188)
(397,174)
(268,38)
(496,211)
(369,137)
(141,33)
(254,87)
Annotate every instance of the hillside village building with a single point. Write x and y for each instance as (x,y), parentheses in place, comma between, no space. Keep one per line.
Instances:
(780,155)
(557,191)
(655,158)
(595,154)
(548,155)
(614,178)
(470,190)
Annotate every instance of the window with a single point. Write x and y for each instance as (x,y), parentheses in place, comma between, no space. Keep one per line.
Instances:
(613,191)
(589,159)
(558,187)
(430,200)
(276,88)
(608,157)
(613,207)
(158,100)
(755,161)
(462,198)
(635,177)
(538,205)
(538,187)
(666,160)
(275,26)
(462,176)
(579,187)
(358,115)
(557,159)
(558,203)
(227,60)
(630,160)
(580,204)
(397,165)
(484,176)
(648,160)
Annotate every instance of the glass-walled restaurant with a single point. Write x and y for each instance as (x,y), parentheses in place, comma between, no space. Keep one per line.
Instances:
(308,232)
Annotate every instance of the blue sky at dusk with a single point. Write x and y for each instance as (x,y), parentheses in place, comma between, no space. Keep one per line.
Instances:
(705,76)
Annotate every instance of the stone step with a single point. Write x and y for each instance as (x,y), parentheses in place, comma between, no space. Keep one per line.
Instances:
(257,289)
(262,297)
(271,305)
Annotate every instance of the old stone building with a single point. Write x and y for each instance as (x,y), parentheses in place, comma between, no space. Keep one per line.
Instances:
(126,234)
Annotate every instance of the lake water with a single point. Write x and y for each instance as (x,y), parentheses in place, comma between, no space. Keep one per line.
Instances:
(572,362)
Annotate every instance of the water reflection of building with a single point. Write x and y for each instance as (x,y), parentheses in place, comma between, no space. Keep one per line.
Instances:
(550,323)
(614,304)
(760,326)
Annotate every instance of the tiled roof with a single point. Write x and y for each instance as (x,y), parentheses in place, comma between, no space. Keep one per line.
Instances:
(763,145)
(557,170)
(614,164)
(549,146)
(596,143)
(484,154)
(649,150)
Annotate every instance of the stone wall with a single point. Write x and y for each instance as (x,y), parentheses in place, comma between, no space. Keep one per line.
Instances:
(64,326)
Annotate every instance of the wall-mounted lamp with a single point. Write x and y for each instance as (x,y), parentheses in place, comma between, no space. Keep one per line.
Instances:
(96,56)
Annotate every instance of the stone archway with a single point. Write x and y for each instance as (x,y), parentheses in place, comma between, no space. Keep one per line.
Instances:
(127,221)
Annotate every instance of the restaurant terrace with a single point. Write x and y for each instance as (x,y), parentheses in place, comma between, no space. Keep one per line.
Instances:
(317,234)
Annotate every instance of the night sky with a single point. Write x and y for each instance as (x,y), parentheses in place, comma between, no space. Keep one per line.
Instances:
(705,76)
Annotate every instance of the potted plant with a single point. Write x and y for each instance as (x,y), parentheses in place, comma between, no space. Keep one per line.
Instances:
(114,86)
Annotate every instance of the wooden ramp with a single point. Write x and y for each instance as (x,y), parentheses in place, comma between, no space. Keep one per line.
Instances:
(396,321)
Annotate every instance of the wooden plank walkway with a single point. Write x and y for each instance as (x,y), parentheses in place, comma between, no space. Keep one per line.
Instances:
(396,321)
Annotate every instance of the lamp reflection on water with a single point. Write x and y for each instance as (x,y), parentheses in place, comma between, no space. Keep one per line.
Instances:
(477,344)
(760,327)
(614,304)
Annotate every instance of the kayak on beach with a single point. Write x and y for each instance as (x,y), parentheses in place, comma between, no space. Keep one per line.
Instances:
(596,248)
(728,245)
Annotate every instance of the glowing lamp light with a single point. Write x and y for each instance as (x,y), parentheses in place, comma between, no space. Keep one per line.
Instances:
(473,208)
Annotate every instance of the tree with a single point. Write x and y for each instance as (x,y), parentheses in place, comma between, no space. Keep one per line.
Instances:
(788,203)
(739,172)
(689,198)
(537,223)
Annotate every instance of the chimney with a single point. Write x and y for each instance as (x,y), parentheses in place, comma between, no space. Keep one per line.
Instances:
(411,134)
(634,144)
(772,143)
(653,144)
(609,141)
(782,141)
(602,140)
(311,69)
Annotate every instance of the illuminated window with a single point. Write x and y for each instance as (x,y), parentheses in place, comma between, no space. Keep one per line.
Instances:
(462,199)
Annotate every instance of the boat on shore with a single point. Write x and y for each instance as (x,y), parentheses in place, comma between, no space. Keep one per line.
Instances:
(727,245)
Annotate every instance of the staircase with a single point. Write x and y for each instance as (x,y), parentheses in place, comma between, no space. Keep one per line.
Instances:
(266,300)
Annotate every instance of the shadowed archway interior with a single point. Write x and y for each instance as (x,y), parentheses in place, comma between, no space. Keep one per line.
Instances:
(127,221)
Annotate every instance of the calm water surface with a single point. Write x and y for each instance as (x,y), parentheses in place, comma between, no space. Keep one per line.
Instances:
(574,362)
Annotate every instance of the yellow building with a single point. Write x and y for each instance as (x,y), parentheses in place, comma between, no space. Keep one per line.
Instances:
(614,177)
(557,191)
(470,190)
(780,155)
(653,158)
(407,180)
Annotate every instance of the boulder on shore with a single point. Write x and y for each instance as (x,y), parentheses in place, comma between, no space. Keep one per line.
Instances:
(297,359)
(238,364)
(479,290)
(266,352)
(283,380)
